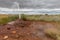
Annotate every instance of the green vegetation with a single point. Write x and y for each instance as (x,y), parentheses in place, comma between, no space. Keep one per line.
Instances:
(7,18)
(42,17)
(23,17)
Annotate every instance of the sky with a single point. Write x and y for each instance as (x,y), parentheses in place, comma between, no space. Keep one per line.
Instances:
(29,4)
(35,4)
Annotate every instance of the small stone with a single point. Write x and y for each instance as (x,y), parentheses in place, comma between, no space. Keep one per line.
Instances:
(13,32)
(5,37)
(17,36)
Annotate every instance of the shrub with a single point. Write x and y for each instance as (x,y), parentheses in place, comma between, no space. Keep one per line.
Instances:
(23,17)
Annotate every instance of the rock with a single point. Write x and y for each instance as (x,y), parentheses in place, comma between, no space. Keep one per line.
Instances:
(5,37)
(13,32)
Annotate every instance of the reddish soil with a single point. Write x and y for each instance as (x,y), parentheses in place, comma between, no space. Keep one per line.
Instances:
(26,30)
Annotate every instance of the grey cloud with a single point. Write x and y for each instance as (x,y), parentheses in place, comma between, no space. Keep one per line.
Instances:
(31,3)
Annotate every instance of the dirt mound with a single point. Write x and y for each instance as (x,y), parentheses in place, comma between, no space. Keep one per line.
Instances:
(27,30)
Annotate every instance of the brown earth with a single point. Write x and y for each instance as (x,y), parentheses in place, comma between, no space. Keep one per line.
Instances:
(27,30)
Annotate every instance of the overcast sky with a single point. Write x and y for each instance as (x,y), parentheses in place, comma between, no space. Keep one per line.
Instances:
(30,3)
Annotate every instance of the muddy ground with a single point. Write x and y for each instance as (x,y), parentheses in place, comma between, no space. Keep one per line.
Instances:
(28,30)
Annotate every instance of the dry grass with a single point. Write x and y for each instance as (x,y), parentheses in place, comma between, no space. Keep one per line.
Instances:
(4,18)
(53,33)
(42,17)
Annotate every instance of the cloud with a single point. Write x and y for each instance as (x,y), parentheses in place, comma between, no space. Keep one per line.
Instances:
(31,3)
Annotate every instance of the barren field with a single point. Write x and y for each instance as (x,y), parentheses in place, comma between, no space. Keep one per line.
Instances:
(26,29)
(30,30)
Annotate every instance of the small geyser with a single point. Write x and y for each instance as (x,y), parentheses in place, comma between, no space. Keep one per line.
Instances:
(16,6)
